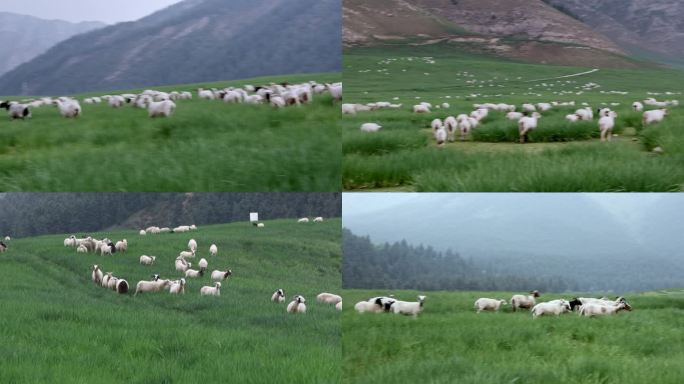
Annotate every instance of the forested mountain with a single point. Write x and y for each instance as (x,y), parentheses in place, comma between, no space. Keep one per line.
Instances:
(30,214)
(190,42)
(402,266)
(26,37)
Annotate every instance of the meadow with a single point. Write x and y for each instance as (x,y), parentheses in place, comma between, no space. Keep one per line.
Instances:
(57,326)
(561,157)
(450,343)
(204,146)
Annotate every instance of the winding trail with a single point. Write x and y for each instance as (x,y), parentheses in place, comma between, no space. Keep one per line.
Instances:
(566,76)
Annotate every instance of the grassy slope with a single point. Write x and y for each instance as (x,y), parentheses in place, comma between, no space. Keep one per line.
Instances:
(403,155)
(450,343)
(205,146)
(57,326)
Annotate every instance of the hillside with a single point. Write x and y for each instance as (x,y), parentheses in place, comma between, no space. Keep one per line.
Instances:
(31,36)
(56,321)
(450,343)
(192,41)
(531,31)
(644,28)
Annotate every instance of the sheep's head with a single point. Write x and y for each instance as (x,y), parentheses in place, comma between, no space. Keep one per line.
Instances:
(217,285)
(535,293)
(155,277)
(503,302)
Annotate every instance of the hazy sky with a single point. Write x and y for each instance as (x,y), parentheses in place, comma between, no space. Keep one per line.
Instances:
(86,10)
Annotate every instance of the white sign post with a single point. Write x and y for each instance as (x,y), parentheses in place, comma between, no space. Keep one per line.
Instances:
(254,217)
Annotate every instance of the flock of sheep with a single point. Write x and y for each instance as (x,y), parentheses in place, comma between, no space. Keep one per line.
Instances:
(182,265)
(163,104)
(585,306)
(528,120)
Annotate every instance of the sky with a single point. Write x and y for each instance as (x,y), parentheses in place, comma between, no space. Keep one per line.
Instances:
(110,12)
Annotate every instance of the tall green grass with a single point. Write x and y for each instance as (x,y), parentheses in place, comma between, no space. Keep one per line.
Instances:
(450,343)
(560,156)
(205,146)
(58,327)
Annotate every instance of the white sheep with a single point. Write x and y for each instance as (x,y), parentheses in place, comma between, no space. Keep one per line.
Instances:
(211,291)
(147,260)
(524,301)
(143,232)
(328,298)
(338,306)
(194,273)
(654,116)
(421,108)
(303,220)
(182,265)
(370,127)
(220,275)
(105,279)
(213,250)
(97,274)
(585,113)
(161,108)
(318,219)
(527,124)
(192,245)
(514,116)
(70,241)
(203,264)
(637,106)
(595,309)
(464,125)
(177,287)
(260,225)
(121,246)
(436,124)
(151,286)
(105,250)
(410,308)
(572,118)
(16,110)
(68,108)
(550,308)
(486,304)
(205,94)
(440,136)
(451,125)
(297,305)
(606,124)
(278,296)
(82,249)
(529,108)
(187,254)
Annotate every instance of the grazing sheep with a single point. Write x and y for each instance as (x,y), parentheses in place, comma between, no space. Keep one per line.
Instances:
(297,305)
(147,260)
(550,308)
(529,108)
(260,225)
(211,291)
(278,296)
(585,113)
(318,219)
(177,287)
(205,94)
(654,116)
(572,118)
(514,116)
(410,308)
(220,275)
(328,298)
(16,110)
(151,286)
(82,249)
(7,238)
(111,283)
(105,250)
(194,273)
(303,220)
(485,304)
(161,108)
(97,274)
(595,309)
(544,106)
(364,306)
(606,124)
(186,254)
(338,306)
(105,279)
(522,301)
(143,232)
(121,246)
(116,101)
(122,286)
(213,250)
(421,108)
(203,264)
(370,127)
(70,241)
(527,124)
(637,106)
(192,245)
(182,265)
(445,105)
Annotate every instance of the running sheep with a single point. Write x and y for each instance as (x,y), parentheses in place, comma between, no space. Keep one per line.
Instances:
(409,308)
(524,302)
(486,304)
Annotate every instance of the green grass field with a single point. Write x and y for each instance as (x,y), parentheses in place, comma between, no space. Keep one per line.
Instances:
(450,343)
(57,326)
(205,146)
(560,158)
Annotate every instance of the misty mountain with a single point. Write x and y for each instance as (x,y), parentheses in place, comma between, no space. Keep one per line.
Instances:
(528,30)
(26,37)
(652,29)
(32,214)
(190,42)
(597,243)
